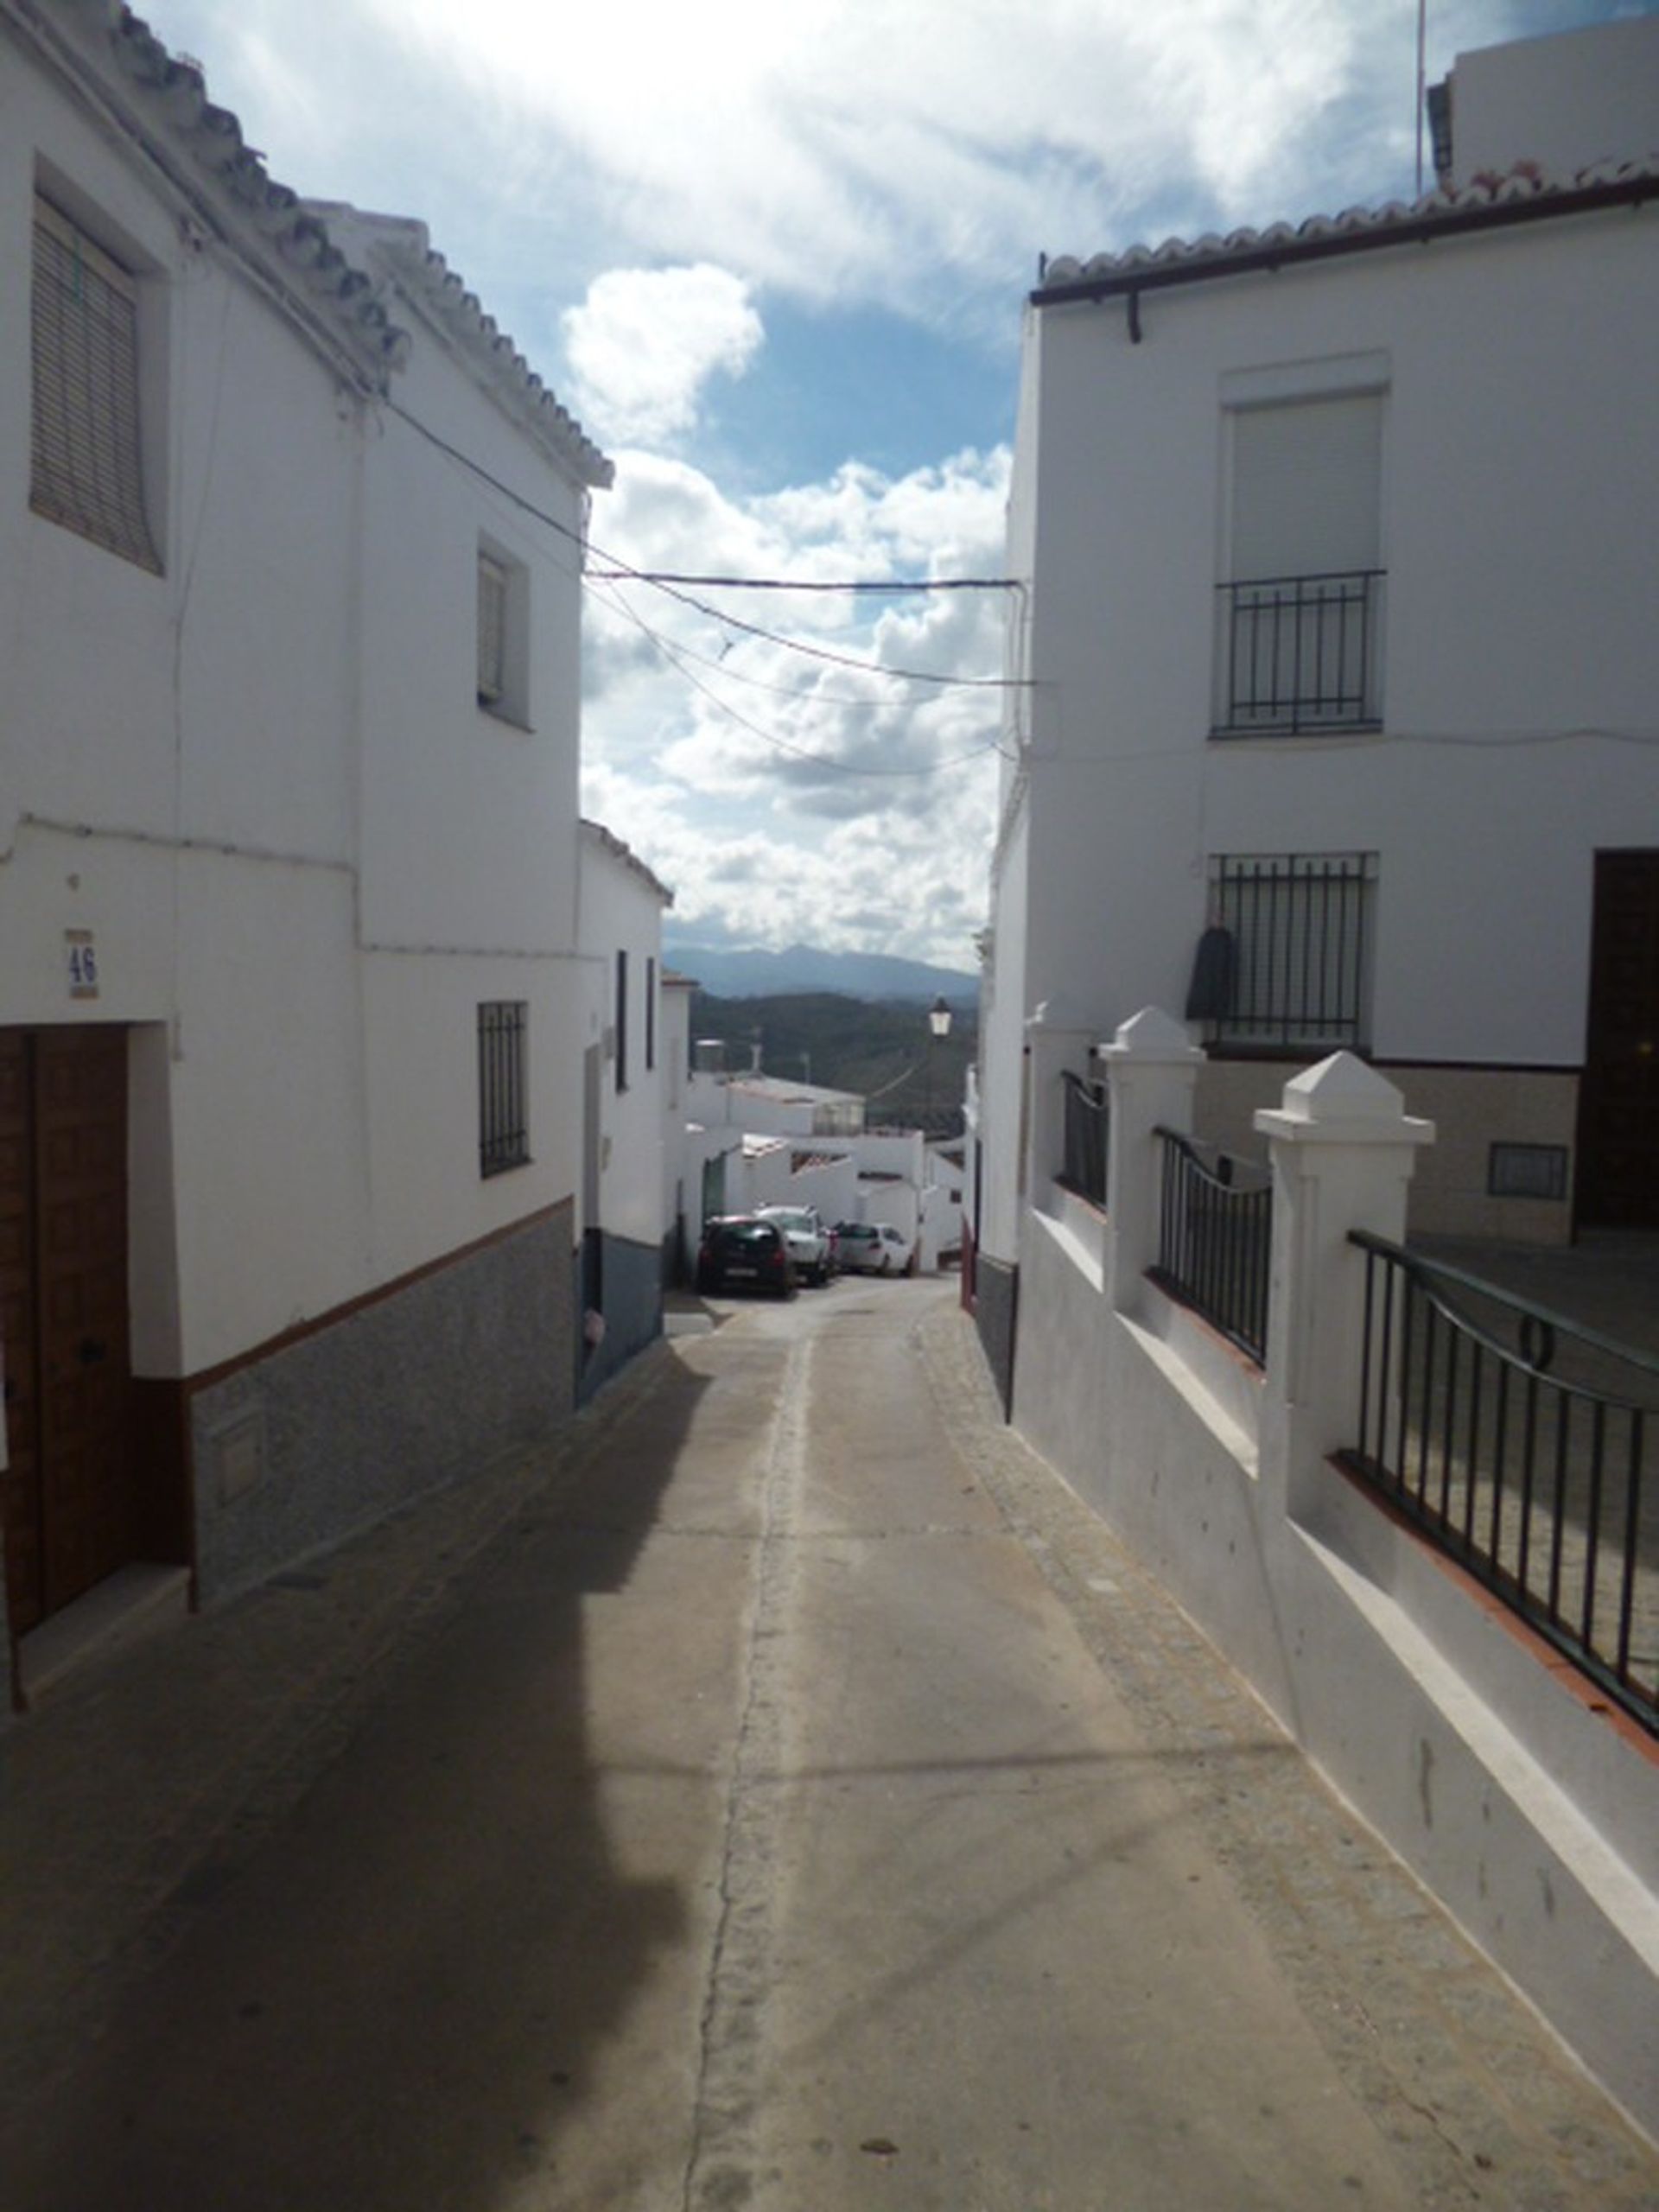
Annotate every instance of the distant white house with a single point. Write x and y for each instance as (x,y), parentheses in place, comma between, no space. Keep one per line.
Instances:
(291,1004)
(625,1228)
(757,1140)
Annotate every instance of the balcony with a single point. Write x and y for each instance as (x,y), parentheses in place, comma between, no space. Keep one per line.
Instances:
(1298,656)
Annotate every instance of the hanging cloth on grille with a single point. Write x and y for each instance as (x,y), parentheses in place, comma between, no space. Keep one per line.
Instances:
(1215,972)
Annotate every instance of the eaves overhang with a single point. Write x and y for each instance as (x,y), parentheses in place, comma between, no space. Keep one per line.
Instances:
(1488,204)
(401,245)
(155,104)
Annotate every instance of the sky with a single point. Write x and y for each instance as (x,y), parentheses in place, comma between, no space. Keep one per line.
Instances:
(773,254)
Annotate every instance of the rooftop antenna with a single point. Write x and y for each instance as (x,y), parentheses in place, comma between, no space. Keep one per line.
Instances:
(1422,85)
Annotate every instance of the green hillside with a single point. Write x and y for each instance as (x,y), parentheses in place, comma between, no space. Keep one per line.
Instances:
(886,1053)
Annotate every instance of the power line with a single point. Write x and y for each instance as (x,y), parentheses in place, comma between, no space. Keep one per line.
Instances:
(622,571)
(671,654)
(890,588)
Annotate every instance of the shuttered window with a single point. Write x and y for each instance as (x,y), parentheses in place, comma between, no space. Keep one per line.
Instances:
(86,470)
(492,631)
(1306,486)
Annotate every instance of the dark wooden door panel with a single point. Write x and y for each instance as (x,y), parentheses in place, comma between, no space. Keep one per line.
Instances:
(67,1495)
(81,1272)
(1618,1118)
(19,1486)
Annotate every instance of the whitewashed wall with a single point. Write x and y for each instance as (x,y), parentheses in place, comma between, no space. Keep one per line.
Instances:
(620,911)
(1514,533)
(262,779)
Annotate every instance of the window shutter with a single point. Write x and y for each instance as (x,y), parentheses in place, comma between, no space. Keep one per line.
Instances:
(492,630)
(86,466)
(1306,488)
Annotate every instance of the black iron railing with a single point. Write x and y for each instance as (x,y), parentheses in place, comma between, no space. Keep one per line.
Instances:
(1299,654)
(1215,1239)
(1517,1442)
(1087,1127)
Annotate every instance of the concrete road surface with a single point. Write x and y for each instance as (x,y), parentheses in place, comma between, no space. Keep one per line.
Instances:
(808,1807)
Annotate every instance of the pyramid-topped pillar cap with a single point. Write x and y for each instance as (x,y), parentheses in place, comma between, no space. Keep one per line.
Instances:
(1343,1101)
(1152,1034)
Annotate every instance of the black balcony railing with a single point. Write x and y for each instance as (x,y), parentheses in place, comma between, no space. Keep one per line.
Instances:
(1088,1124)
(1214,1240)
(1298,654)
(1517,1442)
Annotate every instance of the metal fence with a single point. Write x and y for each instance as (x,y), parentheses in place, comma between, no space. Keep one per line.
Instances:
(1216,1239)
(1299,654)
(1087,1127)
(1517,1440)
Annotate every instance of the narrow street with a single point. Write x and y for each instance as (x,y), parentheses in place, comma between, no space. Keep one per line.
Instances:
(801,1804)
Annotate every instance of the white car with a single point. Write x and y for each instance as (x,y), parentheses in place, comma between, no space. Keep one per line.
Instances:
(871,1248)
(807,1237)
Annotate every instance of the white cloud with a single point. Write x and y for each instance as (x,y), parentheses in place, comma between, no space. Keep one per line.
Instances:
(644,341)
(785,798)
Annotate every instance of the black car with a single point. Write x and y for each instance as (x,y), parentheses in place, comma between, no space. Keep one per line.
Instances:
(739,1253)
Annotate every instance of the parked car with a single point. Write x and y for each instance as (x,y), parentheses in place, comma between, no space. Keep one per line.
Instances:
(807,1237)
(871,1248)
(740,1252)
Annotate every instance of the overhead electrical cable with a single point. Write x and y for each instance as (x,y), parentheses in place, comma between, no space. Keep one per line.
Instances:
(621,570)
(670,653)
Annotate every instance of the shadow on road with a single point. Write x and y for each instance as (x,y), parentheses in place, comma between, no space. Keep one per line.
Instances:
(400,2000)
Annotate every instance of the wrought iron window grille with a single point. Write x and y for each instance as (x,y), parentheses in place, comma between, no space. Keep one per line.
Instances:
(503,1085)
(1298,973)
(1300,654)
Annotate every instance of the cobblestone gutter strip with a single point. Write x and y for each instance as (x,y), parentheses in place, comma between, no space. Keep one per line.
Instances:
(139,1788)
(1482,2103)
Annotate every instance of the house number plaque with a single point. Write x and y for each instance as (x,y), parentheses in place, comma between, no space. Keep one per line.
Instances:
(81,957)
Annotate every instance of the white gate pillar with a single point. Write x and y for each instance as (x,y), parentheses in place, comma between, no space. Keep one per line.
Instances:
(1151,1066)
(1057,1038)
(1343,1150)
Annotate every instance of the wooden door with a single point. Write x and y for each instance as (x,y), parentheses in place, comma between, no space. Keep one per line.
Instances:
(1618,1107)
(68,1494)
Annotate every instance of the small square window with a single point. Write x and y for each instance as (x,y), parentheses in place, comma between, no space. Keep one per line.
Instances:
(87,460)
(503,1086)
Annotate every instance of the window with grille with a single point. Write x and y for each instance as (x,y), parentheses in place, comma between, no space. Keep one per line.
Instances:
(86,469)
(1295,931)
(503,1085)
(1299,634)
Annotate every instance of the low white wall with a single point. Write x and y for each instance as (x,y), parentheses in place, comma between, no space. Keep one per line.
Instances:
(1529,1808)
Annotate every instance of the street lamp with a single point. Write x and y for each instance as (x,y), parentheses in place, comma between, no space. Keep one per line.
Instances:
(938,1025)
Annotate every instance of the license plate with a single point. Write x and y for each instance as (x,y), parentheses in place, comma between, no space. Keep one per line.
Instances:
(743,1274)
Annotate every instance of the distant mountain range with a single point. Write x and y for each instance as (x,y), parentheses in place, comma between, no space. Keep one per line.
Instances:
(855,975)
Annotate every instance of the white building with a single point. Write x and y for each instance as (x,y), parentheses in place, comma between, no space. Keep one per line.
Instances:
(1339,546)
(291,1004)
(625,1081)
